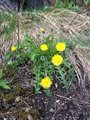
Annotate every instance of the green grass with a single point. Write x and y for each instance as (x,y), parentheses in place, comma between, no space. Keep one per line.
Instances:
(67,5)
(8,23)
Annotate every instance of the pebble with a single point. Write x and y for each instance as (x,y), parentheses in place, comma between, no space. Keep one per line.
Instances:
(17,99)
(29,117)
(5,118)
(27,109)
(52,110)
(57,101)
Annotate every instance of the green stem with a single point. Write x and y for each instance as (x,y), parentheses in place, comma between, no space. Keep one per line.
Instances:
(62,76)
(45,68)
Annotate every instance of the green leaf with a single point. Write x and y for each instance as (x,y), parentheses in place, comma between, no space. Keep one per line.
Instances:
(4,85)
(33,55)
(48,92)
(1,73)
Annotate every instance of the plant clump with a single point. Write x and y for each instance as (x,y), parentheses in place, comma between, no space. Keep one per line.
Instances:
(48,58)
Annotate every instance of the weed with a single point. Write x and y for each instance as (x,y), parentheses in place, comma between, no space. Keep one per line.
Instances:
(3,83)
(49,57)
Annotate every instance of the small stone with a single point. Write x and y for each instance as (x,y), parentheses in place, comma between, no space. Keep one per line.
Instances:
(57,101)
(29,117)
(53,118)
(52,110)
(56,85)
(17,99)
(27,109)
(70,97)
(45,102)
(5,118)
(33,100)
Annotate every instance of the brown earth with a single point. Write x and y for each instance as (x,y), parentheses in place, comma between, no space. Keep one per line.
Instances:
(20,103)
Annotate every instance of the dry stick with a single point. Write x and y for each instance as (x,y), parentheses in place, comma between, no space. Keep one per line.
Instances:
(69,99)
(82,25)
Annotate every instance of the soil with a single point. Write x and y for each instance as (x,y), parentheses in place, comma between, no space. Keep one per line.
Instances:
(21,103)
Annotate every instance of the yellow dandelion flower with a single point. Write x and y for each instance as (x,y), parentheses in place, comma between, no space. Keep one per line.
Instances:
(60,46)
(42,30)
(46,83)
(57,59)
(13,48)
(44,47)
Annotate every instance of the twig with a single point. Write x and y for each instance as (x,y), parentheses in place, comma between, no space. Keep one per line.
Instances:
(83,25)
(71,99)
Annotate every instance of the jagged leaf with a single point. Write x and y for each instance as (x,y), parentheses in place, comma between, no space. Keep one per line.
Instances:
(4,85)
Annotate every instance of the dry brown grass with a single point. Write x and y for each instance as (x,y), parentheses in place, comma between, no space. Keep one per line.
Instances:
(57,21)
(81,63)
